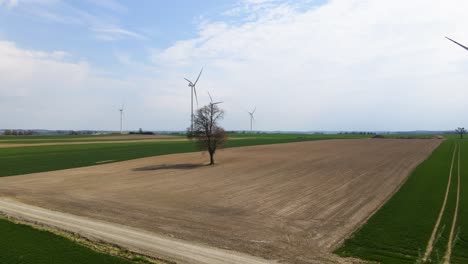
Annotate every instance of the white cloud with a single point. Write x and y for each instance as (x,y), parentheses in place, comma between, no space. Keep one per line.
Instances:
(348,64)
(114,32)
(344,65)
(103,23)
(26,72)
(51,89)
(43,90)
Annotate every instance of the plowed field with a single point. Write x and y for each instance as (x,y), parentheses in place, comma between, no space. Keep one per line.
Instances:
(292,202)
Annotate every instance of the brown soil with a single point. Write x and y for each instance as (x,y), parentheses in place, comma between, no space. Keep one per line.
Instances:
(291,202)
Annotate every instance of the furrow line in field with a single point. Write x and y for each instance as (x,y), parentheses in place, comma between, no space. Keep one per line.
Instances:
(430,244)
(448,253)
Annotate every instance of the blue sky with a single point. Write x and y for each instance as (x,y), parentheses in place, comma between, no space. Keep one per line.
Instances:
(305,65)
(93,30)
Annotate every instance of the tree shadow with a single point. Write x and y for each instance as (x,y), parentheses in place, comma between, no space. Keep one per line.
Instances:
(186,166)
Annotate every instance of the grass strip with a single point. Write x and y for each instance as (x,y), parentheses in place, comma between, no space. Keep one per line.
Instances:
(22,244)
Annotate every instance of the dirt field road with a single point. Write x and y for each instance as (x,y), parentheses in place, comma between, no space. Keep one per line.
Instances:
(140,241)
(289,202)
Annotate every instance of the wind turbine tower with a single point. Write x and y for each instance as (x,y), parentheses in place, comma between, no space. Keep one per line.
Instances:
(252,117)
(121,110)
(193,90)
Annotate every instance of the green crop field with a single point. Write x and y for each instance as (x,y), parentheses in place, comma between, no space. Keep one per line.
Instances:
(111,137)
(71,140)
(22,244)
(78,138)
(52,137)
(400,231)
(22,160)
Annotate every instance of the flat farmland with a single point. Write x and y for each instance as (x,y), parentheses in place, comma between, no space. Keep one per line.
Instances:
(27,141)
(425,221)
(17,159)
(293,202)
(16,144)
(52,138)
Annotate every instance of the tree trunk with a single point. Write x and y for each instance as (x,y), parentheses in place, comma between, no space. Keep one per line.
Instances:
(211,158)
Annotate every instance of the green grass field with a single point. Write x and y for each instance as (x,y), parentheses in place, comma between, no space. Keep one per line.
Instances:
(40,141)
(52,137)
(22,160)
(22,244)
(91,138)
(399,232)
(72,138)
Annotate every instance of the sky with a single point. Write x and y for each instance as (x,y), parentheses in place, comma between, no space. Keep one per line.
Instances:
(306,65)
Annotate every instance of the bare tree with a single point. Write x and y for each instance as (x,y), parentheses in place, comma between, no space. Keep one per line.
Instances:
(460,131)
(206,130)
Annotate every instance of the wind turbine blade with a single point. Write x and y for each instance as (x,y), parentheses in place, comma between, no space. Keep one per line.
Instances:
(198,77)
(255,109)
(211,98)
(217,103)
(188,81)
(457,43)
(195,92)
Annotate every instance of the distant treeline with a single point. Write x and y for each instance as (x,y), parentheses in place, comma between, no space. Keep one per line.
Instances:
(18,132)
(141,132)
(357,133)
(29,132)
(75,132)
(245,132)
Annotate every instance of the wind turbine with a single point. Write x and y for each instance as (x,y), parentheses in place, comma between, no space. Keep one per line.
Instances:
(252,117)
(193,90)
(121,117)
(211,100)
(457,43)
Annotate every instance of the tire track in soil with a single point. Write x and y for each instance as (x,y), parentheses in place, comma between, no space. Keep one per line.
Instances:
(430,244)
(448,253)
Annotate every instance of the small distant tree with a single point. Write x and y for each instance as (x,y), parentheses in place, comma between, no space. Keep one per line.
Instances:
(206,130)
(460,131)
